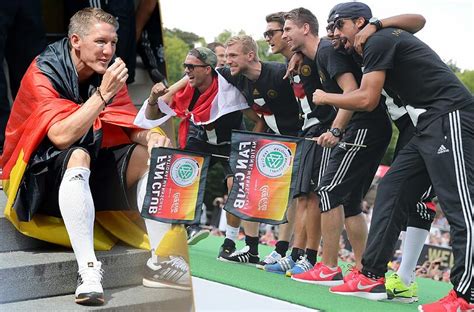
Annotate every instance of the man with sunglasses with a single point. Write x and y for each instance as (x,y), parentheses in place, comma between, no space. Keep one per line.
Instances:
(441,150)
(193,99)
(307,234)
(351,168)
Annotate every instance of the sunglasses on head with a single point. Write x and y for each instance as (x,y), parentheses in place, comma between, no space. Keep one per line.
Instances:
(270,33)
(192,66)
(340,22)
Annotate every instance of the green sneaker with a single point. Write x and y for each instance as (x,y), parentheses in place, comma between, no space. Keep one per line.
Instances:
(397,290)
(414,291)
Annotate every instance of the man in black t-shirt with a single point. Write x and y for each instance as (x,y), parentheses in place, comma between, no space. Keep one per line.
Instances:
(351,168)
(262,84)
(442,149)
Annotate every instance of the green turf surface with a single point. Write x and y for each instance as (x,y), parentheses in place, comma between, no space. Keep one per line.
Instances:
(205,265)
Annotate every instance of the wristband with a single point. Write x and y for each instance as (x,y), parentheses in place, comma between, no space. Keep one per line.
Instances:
(101,97)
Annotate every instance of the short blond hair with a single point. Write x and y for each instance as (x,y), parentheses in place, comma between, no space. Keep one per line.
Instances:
(247,43)
(81,22)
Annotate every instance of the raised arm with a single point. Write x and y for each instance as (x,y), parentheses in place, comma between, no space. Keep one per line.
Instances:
(260,124)
(67,131)
(409,22)
(159,90)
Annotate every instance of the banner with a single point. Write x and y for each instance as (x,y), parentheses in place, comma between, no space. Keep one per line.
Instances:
(265,169)
(175,187)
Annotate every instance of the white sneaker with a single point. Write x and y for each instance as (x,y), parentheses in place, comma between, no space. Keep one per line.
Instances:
(272,258)
(172,272)
(89,289)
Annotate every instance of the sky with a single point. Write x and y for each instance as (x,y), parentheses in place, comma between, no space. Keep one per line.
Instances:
(449,28)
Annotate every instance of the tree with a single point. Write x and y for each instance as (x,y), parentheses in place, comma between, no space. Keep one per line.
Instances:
(265,54)
(175,53)
(188,37)
(467,77)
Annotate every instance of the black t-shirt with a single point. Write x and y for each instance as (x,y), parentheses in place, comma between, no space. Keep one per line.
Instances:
(219,131)
(313,114)
(331,64)
(416,74)
(272,91)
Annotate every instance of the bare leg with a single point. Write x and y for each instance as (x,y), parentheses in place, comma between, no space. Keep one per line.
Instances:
(356,228)
(332,222)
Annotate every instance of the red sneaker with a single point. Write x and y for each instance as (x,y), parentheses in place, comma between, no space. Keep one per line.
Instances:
(447,304)
(320,275)
(362,286)
(353,272)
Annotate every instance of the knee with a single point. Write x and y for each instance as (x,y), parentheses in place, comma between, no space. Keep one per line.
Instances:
(79,158)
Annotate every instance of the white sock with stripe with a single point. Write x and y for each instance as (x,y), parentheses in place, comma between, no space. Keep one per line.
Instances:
(231,232)
(77,210)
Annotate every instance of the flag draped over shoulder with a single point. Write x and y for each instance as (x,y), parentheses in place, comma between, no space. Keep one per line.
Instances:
(49,93)
(265,169)
(219,99)
(175,187)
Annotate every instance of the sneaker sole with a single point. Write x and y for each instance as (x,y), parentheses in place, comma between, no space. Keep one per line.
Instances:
(198,237)
(164,284)
(401,299)
(90,299)
(322,283)
(229,261)
(365,295)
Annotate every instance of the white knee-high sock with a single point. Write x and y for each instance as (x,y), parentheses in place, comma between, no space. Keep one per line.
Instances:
(77,209)
(156,230)
(412,245)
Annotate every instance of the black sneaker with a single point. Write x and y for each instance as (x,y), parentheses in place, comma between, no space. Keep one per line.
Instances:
(241,256)
(196,234)
(226,249)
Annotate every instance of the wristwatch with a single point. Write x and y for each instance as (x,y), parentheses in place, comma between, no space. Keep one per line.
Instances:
(336,132)
(376,22)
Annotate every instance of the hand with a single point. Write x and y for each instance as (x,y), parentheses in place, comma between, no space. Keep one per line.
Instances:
(155,139)
(328,140)
(362,36)
(157,90)
(294,65)
(114,79)
(318,97)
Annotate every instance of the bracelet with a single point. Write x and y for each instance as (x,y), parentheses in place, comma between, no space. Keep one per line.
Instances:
(101,97)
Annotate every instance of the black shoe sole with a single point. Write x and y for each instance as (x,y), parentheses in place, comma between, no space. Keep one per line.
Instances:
(90,299)
(198,237)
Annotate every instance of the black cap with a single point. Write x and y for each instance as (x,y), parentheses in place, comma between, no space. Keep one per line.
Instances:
(352,10)
(333,12)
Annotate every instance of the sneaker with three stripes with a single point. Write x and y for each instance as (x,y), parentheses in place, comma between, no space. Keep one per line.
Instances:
(241,256)
(169,272)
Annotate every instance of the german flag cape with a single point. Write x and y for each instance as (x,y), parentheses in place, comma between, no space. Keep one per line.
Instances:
(49,92)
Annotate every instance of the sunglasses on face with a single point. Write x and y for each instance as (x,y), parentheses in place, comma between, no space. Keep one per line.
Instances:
(340,22)
(270,33)
(191,67)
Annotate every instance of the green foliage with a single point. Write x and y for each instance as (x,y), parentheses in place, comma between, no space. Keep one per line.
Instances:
(265,54)
(467,77)
(188,37)
(175,53)
(224,36)
(452,64)
(388,157)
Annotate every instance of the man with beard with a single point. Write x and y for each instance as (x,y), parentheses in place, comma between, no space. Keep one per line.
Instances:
(441,150)
(364,138)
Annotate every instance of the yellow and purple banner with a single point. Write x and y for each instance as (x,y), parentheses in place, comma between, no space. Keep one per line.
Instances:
(175,187)
(265,169)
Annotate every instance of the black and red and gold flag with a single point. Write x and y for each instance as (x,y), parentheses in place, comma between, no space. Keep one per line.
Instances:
(175,187)
(265,169)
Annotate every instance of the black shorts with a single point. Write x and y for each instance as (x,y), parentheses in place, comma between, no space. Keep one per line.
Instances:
(313,161)
(351,169)
(196,145)
(107,181)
